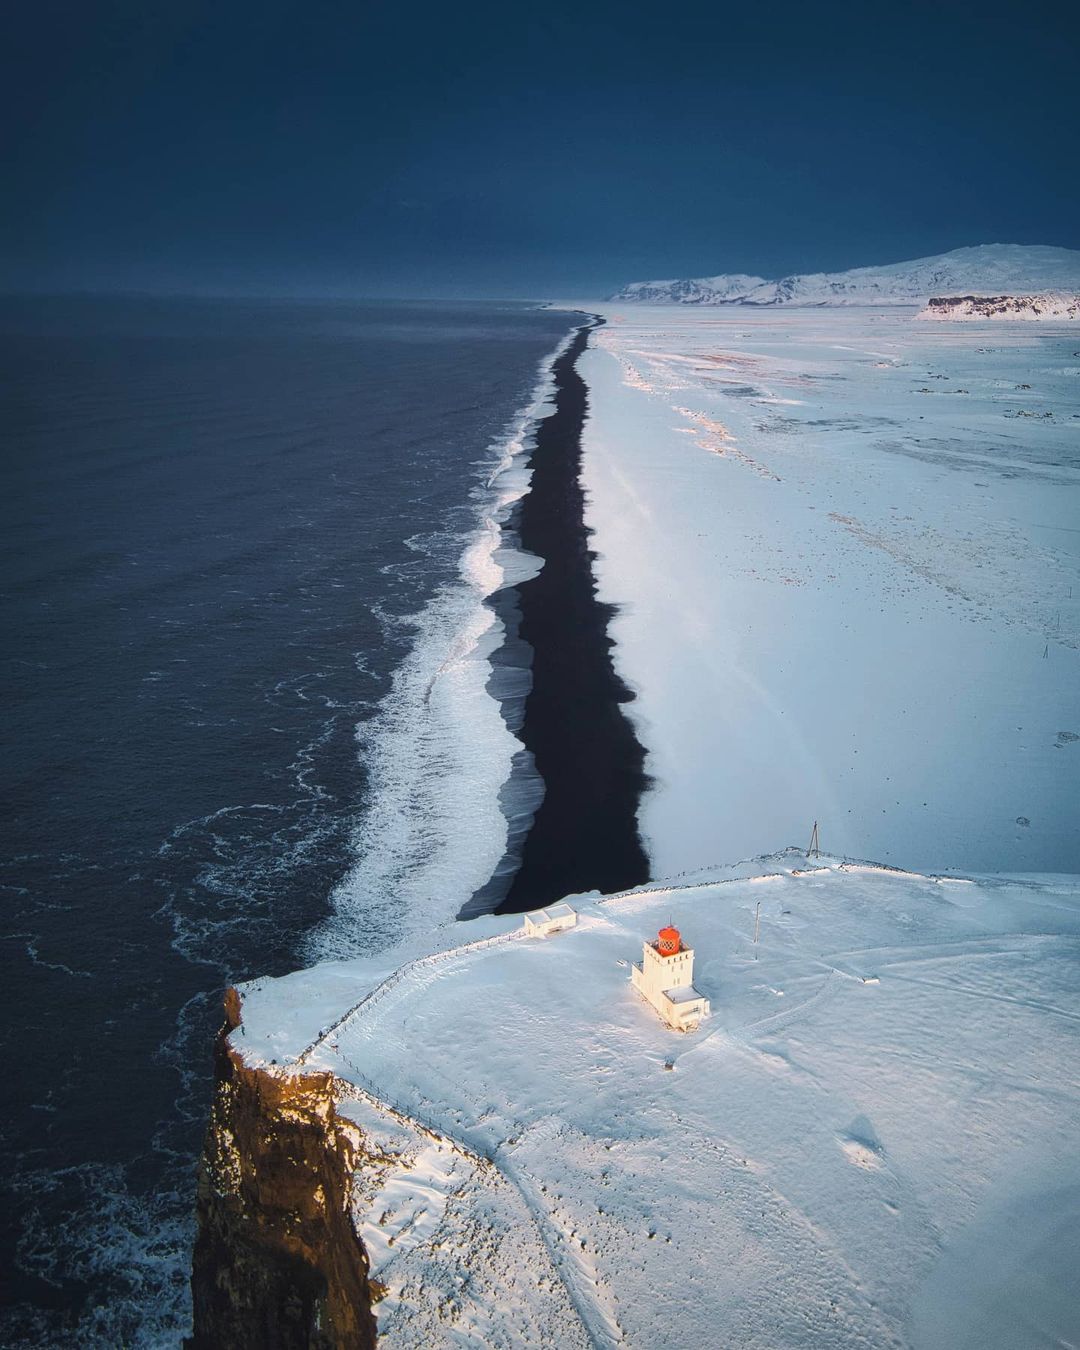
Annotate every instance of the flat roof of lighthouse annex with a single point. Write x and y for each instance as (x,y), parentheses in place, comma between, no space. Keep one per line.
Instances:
(559,911)
(550,919)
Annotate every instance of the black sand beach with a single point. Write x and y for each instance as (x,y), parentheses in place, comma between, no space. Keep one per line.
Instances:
(585,834)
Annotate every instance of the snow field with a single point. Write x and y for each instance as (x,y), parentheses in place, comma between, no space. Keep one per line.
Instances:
(845,553)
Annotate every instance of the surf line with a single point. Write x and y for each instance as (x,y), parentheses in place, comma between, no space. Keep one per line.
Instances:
(578,831)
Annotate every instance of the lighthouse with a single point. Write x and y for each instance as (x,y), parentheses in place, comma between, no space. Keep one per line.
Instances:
(664,977)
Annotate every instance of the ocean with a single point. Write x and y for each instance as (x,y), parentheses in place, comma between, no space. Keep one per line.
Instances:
(250,718)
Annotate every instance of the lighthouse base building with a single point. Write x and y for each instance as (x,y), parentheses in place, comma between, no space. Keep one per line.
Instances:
(664,977)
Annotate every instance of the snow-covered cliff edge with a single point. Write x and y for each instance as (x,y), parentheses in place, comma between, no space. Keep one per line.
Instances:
(986,269)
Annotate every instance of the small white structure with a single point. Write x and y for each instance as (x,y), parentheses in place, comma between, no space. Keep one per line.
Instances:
(665,978)
(542,922)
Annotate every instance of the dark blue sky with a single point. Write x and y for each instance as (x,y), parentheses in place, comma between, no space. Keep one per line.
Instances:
(503,149)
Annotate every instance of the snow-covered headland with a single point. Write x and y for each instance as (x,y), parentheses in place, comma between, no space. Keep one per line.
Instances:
(870,1141)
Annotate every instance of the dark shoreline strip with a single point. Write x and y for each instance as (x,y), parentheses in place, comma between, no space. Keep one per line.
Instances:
(585,834)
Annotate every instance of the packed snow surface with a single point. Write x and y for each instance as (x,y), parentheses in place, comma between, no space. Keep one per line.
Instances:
(871,1142)
(845,551)
(986,269)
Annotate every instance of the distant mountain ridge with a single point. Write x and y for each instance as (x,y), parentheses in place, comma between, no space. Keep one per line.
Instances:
(985,269)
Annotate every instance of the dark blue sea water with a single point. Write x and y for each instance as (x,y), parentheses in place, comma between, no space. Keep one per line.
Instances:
(245,549)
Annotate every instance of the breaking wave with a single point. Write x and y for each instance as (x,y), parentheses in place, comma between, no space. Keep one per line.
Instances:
(449,786)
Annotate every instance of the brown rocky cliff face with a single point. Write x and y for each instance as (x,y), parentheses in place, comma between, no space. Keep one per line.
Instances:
(277,1265)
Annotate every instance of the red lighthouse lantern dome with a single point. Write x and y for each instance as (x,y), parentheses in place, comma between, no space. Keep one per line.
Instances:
(669,942)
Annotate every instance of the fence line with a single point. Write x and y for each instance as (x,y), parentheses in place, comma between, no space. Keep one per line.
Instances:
(666,888)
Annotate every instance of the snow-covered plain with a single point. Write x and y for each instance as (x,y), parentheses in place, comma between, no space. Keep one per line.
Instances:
(870,1143)
(845,547)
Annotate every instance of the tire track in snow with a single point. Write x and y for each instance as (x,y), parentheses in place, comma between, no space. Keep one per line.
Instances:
(590,1300)
(957,986)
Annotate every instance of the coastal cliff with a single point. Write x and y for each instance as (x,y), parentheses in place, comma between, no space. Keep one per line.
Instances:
(1048,305)
(277,1264)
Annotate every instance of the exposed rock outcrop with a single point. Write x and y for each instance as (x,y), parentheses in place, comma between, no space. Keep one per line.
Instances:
(1050,305)
(278,1265)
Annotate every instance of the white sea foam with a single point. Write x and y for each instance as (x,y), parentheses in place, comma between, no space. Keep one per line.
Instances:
(439,754)
(132,1243)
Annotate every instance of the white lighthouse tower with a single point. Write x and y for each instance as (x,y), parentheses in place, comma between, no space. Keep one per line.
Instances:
(665,978)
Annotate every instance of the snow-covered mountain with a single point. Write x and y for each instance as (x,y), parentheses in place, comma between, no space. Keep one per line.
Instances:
(986,269)
(1048,305)
(704,291)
